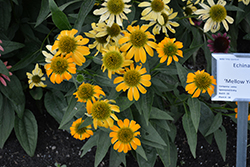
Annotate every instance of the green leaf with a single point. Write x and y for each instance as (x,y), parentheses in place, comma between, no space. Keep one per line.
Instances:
(247,37)
(3,69)
(87,121)
(151,157)
(91,142)
(26,132)
(195,110)
(123,102)
(207,56)
(5,13)
(146,102)
(151,144)
(241,15)
(140,151)
(160,114)
(206,119)
(55,103)
(44,11)
(10,46)
(220,136)
(116,158)
(86,7)
(36,93)
(58,17)
(217,122)
(233,8)
(7,117)
(182,73)
(161,123)
(72,109)
(14,92)
(190,132)
(103,144)
(187,53)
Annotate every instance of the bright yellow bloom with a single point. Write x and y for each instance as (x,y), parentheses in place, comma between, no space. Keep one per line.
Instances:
(236,112)
(215,15)
(124,136)
(102,111)
(81,133)
(113,10)
(154,10)
(59,67)
(101,42)
(136,41)
(66,43)
(36,78)
(168,23)
(189,9)
(132,80)
(88,93)
(168,49)
(199,82)
(114,61)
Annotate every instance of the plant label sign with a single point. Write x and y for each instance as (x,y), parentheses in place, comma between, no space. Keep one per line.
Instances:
(232,74)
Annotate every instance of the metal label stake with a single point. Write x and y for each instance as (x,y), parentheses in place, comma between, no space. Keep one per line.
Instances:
(242,125)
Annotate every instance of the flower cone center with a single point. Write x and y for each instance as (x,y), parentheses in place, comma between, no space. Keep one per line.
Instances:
(115,6)
(85,91)
(102,40)
(132,78)
(125,135)
(36,79)
(203,81)
(100,110)
(113,60)
(188,11)
(218,13)
(114,30)
(59,65)
(221,44)
(157,5)
(138,38)
(67,44)
(170,49)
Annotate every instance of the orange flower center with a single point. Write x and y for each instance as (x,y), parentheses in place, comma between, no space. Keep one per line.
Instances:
(125,135)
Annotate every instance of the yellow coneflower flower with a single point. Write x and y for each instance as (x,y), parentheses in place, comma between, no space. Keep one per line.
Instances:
(60,67)
(168,49)
(67,43)
(100,42)
(102,111)
(132,80)
(200,82)
(124,136)
(113,10)
(154,10)
(168,23)
(136,41)
(114,61)
(112,33)
(36,78)
(215,15)
(88,93)
(189,9)
(82,133)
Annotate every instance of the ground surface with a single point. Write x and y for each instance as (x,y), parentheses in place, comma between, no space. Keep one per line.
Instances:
(55,145)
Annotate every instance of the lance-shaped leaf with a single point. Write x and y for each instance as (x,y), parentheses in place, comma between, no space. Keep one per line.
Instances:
(7,117)
(190,132)
(26,132)
(182,73)
(220,136)
(195,108)
(58,17)
(215,125)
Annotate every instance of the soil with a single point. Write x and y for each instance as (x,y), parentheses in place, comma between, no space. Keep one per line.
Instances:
(56,145)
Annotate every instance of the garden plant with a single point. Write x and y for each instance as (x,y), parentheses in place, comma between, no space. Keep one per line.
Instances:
(118,73)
